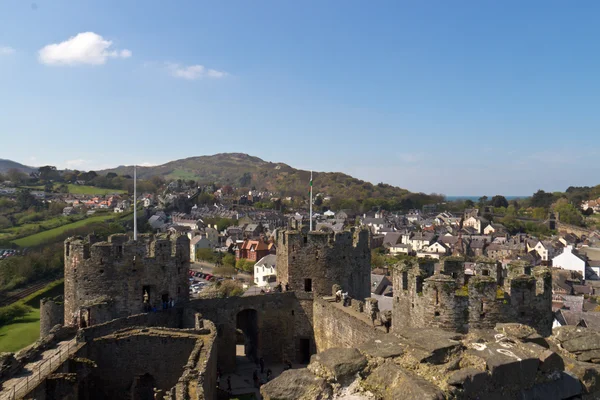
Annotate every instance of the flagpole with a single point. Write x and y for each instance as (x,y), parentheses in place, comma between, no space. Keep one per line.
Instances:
(134,203)
(310,216)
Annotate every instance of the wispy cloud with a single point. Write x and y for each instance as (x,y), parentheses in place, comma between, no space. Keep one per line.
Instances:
(411,158)
(76,163)
(84,48)
(147,164)
(6,51)
(194,72)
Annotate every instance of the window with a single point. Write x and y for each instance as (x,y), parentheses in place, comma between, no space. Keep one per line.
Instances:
(436,314)
(437,297)
(68,249)
(485,272)
(178,289)
(405,281)
(419,284)
(308,285)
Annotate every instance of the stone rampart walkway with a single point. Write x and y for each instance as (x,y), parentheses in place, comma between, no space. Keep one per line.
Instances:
(36,371)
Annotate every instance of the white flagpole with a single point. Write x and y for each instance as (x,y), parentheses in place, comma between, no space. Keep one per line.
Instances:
(310,216)
(134,202)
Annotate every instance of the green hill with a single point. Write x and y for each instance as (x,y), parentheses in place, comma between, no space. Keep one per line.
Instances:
(6,165)
(242,170)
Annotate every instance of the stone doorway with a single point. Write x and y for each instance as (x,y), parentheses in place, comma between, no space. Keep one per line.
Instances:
(247,333)
(303,351)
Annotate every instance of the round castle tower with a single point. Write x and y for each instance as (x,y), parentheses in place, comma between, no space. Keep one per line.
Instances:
(52,313)
(121,277)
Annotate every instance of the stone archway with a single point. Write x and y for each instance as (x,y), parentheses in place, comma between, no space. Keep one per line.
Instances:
(246,323)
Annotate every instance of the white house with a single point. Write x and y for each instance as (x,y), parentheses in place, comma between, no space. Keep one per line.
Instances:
(476,223)
(436,247)
(570,261)
(544,250)
(400,249)
(264,270)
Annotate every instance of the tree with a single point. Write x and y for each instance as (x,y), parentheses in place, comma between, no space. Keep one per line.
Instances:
(541,199)
(482,201)
(568,213)
(469,203)
(228,288)
(244,265)
(377,259)
(111,175)
(25,199)
(539,213)
(205,255)
(499,201)
(318,201)
(229,260)
(48,187)
(16,176)
(48,173)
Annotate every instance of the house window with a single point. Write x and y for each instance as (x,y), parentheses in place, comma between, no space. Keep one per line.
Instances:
(308,285)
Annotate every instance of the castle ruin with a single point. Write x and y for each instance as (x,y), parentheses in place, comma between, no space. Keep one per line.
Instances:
(120,347)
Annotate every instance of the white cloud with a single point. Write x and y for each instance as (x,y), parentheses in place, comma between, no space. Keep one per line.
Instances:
(193,72)
(6,50)
(147,164)
(75,163)
(84,48)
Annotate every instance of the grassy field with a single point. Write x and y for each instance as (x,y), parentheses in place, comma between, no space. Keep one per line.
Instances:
(23,332)
(47,236)
(82,189)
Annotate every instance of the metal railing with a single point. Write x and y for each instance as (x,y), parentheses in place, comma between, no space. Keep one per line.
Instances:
(39,372)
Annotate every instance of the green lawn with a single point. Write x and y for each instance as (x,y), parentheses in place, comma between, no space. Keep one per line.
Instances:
(23,332)
(47,236)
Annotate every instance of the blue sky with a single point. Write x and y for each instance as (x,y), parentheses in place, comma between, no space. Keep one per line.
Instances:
(461,97)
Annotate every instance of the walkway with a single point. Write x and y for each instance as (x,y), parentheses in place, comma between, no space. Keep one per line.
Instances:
(36,371)
(241,379)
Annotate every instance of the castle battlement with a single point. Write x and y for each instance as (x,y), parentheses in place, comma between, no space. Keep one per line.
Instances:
(296,240)
(135,274)
(120,246)
(463,296)
(315,261)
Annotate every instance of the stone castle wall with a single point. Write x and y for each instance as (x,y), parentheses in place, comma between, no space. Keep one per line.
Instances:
(338,326)
(449,301)
(277,317)
(325,259)
(52,312)
(119,271)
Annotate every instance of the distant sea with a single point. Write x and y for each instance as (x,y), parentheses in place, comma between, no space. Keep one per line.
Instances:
(476,198)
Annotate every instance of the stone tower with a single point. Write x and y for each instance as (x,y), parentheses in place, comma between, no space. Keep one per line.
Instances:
(315,261)
(120,277)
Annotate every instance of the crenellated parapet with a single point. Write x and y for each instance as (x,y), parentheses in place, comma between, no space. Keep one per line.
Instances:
(475,295)
(136,275)
(314,261)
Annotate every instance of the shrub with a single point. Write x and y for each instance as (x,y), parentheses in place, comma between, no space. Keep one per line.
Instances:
(245,265)
(12,312)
